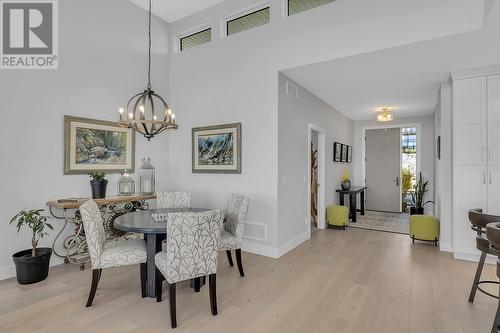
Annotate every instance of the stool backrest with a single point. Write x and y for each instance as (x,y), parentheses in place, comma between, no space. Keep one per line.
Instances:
(479,219)
(493,235)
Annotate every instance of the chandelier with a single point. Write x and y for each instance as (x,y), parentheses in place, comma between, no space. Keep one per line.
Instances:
(384,115)
(147,112)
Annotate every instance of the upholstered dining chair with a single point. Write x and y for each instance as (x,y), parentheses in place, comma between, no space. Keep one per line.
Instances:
(173,199)
(493,235)
(112,253)
(191,252)
(234,224)
(479,221)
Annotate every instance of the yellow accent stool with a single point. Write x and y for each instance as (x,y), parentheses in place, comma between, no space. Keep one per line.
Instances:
(424,228)
(337,216)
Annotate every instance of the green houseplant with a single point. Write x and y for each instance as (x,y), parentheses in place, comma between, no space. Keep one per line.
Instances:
(98,183)
(417,196)
(32,265)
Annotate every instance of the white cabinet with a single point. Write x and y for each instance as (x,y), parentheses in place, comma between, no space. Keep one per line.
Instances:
(476,154)
(493,119)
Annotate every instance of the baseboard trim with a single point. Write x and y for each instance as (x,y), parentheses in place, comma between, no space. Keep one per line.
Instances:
(7,272)
(445,247)
(293,243)
(262,250)
(474,257)
(274,252)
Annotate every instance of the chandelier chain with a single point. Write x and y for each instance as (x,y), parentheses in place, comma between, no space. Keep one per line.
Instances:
(149,46)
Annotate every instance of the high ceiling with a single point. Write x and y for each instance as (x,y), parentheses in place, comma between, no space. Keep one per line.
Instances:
(173,10)
(405,77)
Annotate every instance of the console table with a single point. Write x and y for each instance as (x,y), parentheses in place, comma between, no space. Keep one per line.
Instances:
(74,247)
(353,193)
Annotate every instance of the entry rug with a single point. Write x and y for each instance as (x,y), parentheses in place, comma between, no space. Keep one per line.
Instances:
(383,221)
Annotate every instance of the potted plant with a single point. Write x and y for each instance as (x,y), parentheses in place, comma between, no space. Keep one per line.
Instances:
(417,196)
(346,182)
(32,265)
(98,184)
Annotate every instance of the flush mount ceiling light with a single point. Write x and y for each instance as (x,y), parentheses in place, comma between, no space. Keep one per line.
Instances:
(147,112)
(384,114)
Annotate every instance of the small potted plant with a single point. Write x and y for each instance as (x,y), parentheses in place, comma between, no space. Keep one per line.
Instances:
(32,265)
(417,196)
(98,184)
(346,182)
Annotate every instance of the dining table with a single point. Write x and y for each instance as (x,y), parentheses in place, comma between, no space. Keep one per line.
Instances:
(154,233)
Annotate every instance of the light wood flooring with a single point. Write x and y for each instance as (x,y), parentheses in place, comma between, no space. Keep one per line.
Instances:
(339,281)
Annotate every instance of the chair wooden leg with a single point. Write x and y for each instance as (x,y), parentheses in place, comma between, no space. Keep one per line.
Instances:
(197,284)
(238,262)
(172,302)
(212,281)
(96,273)
(100,273)
(479,270)
(158,281)
(143,279)
(229,258)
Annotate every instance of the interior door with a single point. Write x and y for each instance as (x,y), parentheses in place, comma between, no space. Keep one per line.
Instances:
(383,169)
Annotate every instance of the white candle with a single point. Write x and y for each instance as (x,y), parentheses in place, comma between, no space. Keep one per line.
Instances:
(146,186)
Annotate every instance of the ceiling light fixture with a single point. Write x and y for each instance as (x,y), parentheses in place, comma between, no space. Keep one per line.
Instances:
(147,112)
(384,115)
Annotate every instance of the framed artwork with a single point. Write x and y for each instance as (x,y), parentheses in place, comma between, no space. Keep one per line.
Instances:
(217,149)
(337,151)
(349,154)
(91,144)
(344,153)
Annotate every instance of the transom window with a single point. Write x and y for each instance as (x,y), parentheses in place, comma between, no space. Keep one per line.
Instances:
(248,21)
(297,6)
(196,39)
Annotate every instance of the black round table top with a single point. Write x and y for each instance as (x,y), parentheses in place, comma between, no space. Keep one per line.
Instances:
(141,221)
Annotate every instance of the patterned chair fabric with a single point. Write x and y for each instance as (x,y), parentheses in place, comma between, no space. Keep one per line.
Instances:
(234,223)
(173,199)
(108,254)
(192,245)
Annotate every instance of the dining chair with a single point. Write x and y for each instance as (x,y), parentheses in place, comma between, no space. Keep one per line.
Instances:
(234,224)
(173,199)
(479,221)
(109,253)
(191,252)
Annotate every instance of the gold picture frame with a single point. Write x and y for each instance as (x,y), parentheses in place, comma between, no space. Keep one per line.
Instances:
(97,145)
(217,149)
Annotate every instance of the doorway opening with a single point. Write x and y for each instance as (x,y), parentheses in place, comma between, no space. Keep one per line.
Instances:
(391,155)
(316,178)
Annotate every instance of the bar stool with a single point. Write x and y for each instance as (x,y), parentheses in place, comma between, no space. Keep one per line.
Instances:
(479,221)
(493,235)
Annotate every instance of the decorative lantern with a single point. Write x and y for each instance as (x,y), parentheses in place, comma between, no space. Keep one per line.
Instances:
(126,184)
(147,179)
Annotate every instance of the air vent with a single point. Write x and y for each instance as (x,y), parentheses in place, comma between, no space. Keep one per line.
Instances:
(256,231)
(292,90)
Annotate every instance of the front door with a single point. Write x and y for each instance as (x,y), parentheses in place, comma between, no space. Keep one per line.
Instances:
(383,169)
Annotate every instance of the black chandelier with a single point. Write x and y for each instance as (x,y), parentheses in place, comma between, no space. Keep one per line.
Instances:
(147,112)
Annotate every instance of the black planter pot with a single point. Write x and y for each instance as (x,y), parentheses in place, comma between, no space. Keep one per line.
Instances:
(32,269)
(416,211)
(98,189)
(346,185)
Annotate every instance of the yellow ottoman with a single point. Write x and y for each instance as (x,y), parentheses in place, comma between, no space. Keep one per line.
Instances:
(424,228)
(337,216)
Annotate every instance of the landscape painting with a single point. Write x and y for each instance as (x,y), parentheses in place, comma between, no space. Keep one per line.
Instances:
(97,145)
(217,149)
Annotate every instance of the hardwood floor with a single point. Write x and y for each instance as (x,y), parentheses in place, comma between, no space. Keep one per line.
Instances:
(339,281)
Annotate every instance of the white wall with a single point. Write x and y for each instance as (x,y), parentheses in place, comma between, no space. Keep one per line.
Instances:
(294,117)
(426,124)
(102,64)
(235,78)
